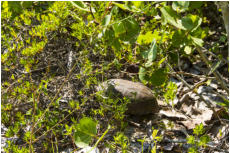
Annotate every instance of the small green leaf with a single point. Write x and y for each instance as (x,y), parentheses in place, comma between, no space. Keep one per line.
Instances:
(137,4)
(191,22)
(158,77)
(142,74)
(80,5)
(152,52)
(171,17)
(195,4)
(188,50)
(180,6)
(132,30)
(197,41)
(204,140)
(214,67)
(85,131)
(122,6)
(191,140)
(179,38)
(199,129)
(119,28)
(106,20)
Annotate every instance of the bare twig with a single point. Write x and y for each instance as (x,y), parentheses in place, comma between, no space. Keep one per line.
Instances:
(191,88)
(216,73)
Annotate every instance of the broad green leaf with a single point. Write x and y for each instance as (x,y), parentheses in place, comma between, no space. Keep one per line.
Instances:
(116,44)
(171,17)
(197,41)
(132,30)
(195,4)
(106,20)
(122,6)
(152,52)
(187,23)
(85,131)
(191,22)
(15,7)
(119,28)
(128,7)
(26,4)
(80,5)
(180,6)
(188,50)
(144,54)
(178,38)
(108,33)
(142,74)
(158,77)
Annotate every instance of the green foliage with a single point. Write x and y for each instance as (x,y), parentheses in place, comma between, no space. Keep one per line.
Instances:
(80,5)
(122,140)
(170,93)
(85,131)
(108,37)
(199,140)
(156,139)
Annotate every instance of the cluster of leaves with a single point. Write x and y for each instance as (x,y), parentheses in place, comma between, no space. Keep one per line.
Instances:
(108,37)
(199,140)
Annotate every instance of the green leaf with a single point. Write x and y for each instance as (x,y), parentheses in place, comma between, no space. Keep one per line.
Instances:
(128,7)
(132,30)
(199,129)
(109,35)
(116,44)
(158,77)
(106,20)
(204,140)
(137,4)
(119,28)
(191,140)
(85,131)
(142,74)
(171,17)
(122,6)
(152,52)
(26,4)
(180,6)
(214,67)
(178,38)
(188,50)
(195,4)
(191,22)
(80,5)
(197,41)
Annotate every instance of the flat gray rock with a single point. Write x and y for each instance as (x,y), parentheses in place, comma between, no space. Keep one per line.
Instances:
(142,100)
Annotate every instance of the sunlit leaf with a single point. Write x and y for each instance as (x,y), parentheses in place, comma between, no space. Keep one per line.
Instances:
(85,130)
(188,50)
(197,41)
(142,74)
(152,52)
(80,5)
(106,20)
(180,6)
(158,77)
(171,17)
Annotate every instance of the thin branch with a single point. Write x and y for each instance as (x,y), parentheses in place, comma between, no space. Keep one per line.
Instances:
(191,88)
(216,73)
